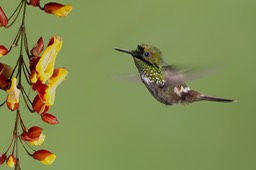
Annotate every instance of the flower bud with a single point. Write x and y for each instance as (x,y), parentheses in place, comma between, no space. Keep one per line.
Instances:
(3,50)
(49,118)
(11,161)
(34,132)
(38,47)
(2,158)
(13,95)
(57,9)
(44,156)
(3,18)
(34,2)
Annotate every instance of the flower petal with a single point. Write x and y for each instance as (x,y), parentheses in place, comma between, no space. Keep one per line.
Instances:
(34,132)
(45,65)
(13,95)
(39,141)
(57,9)
(11,161)
(39,106)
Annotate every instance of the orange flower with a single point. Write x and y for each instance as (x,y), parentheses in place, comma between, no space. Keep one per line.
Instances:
(57,9)
(44,66)
(11,161)
(44,156)
(3,50)
(3,18)
(13,95)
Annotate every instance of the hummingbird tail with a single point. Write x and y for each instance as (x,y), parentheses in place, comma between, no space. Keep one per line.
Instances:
(215,99)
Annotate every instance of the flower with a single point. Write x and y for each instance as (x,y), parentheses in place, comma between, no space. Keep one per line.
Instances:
(49,118)
(33,134)
(57,9)
(3,18)
(44,156)
(11,161)
(42,68)
(47,92)
(3,50)
(2,158)
(13,95)
(39,141)
(39,106)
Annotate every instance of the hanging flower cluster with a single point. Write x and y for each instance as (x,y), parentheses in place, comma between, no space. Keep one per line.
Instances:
(39,72)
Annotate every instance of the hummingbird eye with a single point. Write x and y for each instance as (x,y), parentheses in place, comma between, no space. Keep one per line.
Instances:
(146,54)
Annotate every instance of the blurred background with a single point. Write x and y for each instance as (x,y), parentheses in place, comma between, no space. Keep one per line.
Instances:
(111,124)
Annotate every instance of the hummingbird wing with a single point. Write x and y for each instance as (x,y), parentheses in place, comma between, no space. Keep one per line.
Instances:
(177,75)
(172,76)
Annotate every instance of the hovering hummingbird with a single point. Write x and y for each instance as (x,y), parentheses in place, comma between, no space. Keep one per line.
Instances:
(163,81)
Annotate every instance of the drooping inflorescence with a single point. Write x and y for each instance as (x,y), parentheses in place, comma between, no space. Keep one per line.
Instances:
(34,67)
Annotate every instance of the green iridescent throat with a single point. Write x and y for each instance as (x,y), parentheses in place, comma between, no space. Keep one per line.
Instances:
(154,74)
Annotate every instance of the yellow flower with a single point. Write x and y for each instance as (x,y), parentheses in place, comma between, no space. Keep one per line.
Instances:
(44,156)
(39,141)
(57,9)
(45,65)
(11,161)
(13,95)
(47,92)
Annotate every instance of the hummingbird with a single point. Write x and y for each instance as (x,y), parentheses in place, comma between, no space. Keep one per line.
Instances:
(165,82)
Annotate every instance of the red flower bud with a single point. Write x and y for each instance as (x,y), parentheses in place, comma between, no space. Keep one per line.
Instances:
(2,158)
(57,9)
(35,2)
(44,156)
(3,18)
(34,132)
(38,47)
(49,118)
(3,50)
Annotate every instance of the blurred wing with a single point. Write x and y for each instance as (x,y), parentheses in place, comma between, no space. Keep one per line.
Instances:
(134,78)
(172,76)
(177,75)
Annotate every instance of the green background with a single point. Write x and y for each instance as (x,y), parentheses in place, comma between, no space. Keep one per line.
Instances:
(111,124)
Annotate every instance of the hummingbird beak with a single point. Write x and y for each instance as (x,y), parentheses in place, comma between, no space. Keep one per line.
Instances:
(134,55)
(125,51)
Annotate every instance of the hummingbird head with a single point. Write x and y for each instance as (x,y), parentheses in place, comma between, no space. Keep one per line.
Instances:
(145,55)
